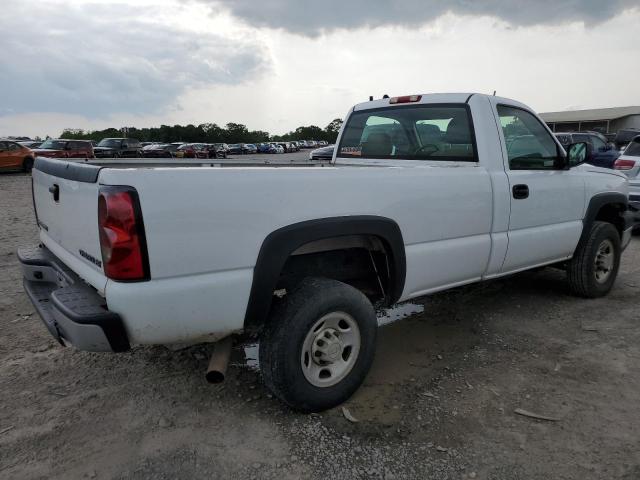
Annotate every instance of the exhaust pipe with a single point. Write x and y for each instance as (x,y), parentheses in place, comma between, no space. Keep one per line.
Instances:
(217,369)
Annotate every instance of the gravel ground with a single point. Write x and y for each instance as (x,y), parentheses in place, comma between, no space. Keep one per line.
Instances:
(439,402)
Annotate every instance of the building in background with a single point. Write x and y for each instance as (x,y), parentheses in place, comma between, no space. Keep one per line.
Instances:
(604,120)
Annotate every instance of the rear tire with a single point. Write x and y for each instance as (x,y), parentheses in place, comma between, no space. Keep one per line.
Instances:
(593,269)
(318,345)
(27,165)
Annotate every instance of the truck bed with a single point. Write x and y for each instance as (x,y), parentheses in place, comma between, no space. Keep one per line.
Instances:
(195,162)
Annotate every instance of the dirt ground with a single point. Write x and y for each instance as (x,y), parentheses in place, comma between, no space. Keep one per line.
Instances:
(439,402)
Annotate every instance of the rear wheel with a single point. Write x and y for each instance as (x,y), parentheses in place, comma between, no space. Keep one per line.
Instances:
(318,345)
(593,269)
(27,165)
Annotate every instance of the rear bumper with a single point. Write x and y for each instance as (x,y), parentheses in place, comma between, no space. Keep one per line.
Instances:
(72,311)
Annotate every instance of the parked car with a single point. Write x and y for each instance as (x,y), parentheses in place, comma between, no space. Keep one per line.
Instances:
(14,156)
(224,147)
(160,150)
(629,164)
(275,148)
(63,148)
(601,153)
(30,143)
(263,147)
(323,143)
(322,153)
(216,150)
(285,147)
(204,252)
(237,149)
(192,150)
(118,148)
(250,148)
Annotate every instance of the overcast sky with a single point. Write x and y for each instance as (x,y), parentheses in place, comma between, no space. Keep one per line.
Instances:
(277,64)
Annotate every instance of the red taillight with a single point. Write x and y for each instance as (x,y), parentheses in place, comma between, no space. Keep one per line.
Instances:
(406,99)
(122,240)
(621,164)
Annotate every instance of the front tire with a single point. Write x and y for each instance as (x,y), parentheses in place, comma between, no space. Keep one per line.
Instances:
(593,269)
(27,165)
(318,345)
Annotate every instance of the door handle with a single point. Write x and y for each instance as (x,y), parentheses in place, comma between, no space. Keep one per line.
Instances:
(55,191)
(520,191)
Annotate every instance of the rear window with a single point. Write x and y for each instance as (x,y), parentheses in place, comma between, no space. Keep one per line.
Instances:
(418,132)
(634,148)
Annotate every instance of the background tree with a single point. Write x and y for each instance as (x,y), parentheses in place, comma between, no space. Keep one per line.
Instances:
(206,133)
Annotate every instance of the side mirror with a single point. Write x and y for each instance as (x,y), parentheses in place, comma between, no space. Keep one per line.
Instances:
(578,153)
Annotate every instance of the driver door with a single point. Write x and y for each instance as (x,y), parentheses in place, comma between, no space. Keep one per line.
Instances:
(547,201)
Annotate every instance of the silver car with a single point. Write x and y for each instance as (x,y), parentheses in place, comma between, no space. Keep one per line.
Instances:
(629,163)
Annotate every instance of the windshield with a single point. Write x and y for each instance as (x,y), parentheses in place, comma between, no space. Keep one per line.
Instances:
(54,144)
(420,132)
(109,142)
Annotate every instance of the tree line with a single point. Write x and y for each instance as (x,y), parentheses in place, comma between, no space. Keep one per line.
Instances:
(207,133)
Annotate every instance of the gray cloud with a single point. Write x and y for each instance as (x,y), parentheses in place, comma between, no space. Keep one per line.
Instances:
(312,17)
(97,59)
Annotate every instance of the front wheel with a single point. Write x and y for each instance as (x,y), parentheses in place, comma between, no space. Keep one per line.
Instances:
(318,345)
(593,269)
(27,165)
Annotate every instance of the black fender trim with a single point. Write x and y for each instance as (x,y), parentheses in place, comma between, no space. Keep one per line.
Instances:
(278,246)
(595,205)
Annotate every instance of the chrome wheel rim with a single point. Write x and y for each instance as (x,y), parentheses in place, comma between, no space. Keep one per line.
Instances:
(330,349)
(604,260)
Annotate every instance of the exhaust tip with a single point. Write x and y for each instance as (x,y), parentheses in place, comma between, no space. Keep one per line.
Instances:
(214,377)
(217,370)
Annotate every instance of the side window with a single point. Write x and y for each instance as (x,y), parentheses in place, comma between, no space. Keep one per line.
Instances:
(598,144)
(12,147)
(565,140)
(416,132)
(529,145)
(634,148)
(3,146)
(581,137)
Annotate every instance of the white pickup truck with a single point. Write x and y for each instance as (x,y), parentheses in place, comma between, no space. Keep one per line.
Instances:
(424,193)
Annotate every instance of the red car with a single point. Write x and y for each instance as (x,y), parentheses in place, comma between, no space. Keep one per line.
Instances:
(15,156)
(62,148)
(192,150)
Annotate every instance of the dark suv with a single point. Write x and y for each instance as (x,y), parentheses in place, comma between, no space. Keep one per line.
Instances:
(118,147)
(603,153)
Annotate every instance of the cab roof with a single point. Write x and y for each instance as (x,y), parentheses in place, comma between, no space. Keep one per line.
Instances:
(427,98)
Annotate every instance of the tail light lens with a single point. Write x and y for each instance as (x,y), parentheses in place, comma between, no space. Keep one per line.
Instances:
(122,238)
(624,164)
